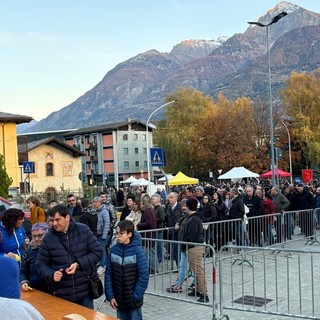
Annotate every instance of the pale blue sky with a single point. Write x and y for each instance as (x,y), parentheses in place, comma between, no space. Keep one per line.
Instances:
(52,52)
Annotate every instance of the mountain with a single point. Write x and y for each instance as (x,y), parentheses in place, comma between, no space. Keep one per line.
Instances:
(237,66)
(23,127)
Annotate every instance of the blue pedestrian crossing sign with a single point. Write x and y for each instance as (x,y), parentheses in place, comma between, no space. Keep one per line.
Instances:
(157,157)
(28,167)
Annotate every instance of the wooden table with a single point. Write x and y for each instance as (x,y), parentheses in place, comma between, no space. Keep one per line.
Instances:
(53,308)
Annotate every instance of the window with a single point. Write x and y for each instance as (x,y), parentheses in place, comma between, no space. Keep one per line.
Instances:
(125,150)
(137,164)
(144,137)
(49,169)
(136,150)
(125,137)
(135,136)
(144,150)
(126,164)
(145,164)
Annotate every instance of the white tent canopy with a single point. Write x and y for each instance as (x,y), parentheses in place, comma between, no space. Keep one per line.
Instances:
(169,177)
(238,173)
(140,182)
(129,180)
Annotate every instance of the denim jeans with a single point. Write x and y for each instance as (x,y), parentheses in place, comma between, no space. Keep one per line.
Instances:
(174,247)
(159,246)
(182,268)
(242,234)
(151,258)
(86,302)
(103,243)
(135,314)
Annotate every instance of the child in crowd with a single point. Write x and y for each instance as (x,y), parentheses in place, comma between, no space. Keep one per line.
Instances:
(126,277)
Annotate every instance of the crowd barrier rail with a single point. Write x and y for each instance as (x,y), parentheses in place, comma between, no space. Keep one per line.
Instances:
(164,274)
(285,284)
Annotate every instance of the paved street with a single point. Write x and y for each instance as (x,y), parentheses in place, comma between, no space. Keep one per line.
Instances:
(240,280)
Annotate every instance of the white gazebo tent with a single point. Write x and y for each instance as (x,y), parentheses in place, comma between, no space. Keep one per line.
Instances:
(129,180)
(238,173)
(140,182)
(168,177)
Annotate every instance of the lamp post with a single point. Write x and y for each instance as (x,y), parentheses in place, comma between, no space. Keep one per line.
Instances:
(147,140)
(259,24)
(289,143)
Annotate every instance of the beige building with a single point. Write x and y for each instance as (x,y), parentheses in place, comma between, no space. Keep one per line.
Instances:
(56,166)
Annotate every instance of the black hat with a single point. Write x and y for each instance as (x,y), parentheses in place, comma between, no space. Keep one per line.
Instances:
(192,204)
(300,184)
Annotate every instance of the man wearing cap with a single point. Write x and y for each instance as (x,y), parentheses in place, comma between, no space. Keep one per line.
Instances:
(193,232)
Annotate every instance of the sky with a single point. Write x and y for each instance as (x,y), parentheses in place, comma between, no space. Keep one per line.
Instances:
(53,52)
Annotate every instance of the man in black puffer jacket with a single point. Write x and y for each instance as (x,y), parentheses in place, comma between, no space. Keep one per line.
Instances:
(68,253)
(236,211)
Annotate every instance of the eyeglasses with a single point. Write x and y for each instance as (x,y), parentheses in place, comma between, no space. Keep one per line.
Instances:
(119,234)
(40,235)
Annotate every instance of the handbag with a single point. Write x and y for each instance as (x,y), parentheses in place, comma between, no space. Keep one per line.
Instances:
(95,285)
(94,282)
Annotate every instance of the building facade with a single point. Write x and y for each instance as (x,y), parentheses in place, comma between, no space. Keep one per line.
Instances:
(8,144)
(113,152)
(57,167)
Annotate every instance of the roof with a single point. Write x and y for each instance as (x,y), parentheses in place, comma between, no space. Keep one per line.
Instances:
(14,118)
(53,142)
(105,127)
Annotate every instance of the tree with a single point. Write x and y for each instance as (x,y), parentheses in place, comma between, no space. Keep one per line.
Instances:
(301,100)
(6,181)
(229,136)
(176,133)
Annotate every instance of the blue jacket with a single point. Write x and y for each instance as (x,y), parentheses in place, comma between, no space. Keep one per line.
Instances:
(127,276)
(9,271)
(53,256)
(28,272)
(12,243)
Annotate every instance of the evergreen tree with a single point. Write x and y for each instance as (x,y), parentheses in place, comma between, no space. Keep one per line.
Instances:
(5,180)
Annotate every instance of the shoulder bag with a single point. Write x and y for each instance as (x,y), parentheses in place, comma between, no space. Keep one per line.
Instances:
(94,282)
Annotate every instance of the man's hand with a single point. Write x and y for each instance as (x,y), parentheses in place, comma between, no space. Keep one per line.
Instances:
(57,276)
(25,287)
(113,304)
(72,269)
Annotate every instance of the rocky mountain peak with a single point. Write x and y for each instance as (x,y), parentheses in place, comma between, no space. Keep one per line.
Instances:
(236,66)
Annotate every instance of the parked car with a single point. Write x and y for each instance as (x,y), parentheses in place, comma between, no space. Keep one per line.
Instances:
(6,204)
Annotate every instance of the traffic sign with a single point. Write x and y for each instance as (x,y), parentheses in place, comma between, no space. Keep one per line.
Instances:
(28,167)
(157,157)
(106,175)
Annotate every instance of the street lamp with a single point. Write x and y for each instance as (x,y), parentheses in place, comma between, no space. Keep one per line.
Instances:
(147,140)
(259,24)
(289,143)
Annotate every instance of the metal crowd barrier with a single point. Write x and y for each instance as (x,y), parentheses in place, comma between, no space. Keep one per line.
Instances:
(285,284)
(193,270)
(264,231)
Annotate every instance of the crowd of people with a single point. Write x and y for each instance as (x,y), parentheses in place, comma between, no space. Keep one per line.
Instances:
(68,242)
